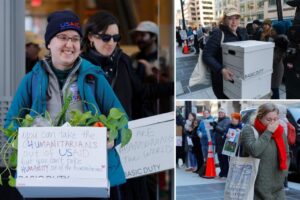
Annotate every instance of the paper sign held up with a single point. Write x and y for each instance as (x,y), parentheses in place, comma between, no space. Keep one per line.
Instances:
(151,148)
(62,162)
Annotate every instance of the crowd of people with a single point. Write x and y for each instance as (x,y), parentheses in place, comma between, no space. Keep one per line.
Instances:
(229,27)
(263,137)
(196,136)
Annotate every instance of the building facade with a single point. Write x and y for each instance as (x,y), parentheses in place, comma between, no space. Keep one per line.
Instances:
(197,12)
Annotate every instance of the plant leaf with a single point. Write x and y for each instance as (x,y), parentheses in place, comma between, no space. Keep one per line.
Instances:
(13,159)
(122,122)
(91,121)
(103,119)
(113,133)
(126,136)
(48,116)
(11,181)
(14,143)
(115,113)
(1,183)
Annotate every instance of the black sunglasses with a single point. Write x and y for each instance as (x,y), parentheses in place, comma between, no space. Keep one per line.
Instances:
(107,38)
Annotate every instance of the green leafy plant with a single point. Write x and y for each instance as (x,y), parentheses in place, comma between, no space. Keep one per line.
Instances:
(115,122)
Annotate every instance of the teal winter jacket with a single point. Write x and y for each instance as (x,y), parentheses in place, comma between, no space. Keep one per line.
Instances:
(31,94)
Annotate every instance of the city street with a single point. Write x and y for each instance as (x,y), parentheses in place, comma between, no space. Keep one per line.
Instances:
(192,187)
(185,64)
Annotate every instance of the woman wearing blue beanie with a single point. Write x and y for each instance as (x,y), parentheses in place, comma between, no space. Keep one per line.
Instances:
(64,73)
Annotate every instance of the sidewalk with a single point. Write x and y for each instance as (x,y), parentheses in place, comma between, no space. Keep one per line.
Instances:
(185,64)
(192,187)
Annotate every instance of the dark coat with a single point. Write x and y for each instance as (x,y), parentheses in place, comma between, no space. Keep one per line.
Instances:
(212,55)
(220,131)
(281,43)
(127,86)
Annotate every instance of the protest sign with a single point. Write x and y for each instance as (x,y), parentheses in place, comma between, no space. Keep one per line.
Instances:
(62,162)
(231,142)
(151,148)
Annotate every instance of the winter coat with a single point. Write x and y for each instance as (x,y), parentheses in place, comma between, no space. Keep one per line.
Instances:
(125,83)
(281,43)
(212,53)
(269,180)
(220,131)
(203,133)
(102,99)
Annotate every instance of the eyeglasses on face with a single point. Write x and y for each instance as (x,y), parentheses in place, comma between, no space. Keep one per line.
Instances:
(107,38)
(65,38)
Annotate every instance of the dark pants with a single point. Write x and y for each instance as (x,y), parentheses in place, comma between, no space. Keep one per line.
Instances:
(275,94)
(224,165)
(217,85)
(116,193)
(139,188)
(197,150)
(180,153)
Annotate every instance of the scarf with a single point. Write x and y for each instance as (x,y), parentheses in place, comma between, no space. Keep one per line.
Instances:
(277,137)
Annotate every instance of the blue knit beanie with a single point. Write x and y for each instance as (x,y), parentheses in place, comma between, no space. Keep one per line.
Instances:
(60,21)
(279,27)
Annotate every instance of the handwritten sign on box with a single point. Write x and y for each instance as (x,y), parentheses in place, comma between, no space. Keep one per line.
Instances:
(151,148)
(62,162)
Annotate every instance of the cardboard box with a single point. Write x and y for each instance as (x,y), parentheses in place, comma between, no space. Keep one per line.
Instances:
(251,88)
(248,58)
(62,162)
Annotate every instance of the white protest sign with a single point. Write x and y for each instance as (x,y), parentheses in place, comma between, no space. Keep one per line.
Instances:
(231,142)
(62,162)
(151,148)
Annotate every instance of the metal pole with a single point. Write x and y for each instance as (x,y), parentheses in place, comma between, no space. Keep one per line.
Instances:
(182,12)
(279,10)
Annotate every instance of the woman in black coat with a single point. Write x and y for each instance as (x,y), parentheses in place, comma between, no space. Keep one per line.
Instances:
(100,46)
(212,53)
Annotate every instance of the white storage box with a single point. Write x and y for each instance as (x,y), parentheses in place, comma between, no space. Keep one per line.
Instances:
(62,162)
(251,88)
(248,58)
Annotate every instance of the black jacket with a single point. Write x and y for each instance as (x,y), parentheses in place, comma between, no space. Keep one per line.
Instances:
(127,86)
(212,53)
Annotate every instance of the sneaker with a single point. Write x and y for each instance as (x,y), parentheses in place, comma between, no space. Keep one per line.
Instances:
(189,169)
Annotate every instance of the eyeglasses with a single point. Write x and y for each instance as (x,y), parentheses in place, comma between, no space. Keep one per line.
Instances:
(65,38)
(107,38)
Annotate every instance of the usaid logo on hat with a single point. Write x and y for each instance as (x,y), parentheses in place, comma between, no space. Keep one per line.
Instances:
(68,25)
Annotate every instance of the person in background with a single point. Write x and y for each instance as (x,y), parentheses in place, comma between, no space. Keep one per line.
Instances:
(236,124)
(266,33)
(284,123)
(178,37)
(188,127)
(281,44)
(197,150)
(151,67)
(257,30)
(62,73)
(230,31)
(203,130)
(220,129)
(269,144)
(180,154)
(32,51)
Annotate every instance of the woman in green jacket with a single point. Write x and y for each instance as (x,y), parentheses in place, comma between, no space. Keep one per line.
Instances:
(266,140)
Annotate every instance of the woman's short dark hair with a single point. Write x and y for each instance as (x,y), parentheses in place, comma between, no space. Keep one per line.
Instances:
(98,22)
